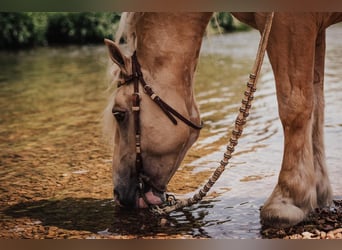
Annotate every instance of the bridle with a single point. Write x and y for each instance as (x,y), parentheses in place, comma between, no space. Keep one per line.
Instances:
(137,77)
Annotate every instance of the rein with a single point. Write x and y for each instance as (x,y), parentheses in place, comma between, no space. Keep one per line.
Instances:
(173,204)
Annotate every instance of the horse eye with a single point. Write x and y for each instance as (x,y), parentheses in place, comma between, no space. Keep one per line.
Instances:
(119,115)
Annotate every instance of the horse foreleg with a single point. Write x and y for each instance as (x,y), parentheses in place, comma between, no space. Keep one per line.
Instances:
(292,51)
(323,187)
(295,193)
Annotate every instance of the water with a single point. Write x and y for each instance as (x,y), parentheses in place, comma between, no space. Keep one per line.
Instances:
(53,157)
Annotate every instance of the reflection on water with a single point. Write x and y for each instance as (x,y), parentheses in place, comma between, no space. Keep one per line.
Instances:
(53,158)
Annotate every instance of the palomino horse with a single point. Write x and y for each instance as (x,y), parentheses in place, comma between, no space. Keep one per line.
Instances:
(156,119)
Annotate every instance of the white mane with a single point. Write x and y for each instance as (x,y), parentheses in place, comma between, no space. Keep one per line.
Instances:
(126,31)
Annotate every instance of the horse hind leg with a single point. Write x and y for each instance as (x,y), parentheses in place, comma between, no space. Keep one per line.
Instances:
(323,187)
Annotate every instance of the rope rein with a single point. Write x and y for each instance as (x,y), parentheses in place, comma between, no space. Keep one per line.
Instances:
(172,203)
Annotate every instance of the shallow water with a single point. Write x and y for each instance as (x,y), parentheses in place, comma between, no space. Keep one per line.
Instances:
(55,167)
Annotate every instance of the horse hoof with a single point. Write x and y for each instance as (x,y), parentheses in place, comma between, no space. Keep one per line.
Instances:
(281,215)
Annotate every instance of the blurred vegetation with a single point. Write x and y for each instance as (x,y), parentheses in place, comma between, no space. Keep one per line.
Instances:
(21,29)
(28,29)
(224,22)
(80,28)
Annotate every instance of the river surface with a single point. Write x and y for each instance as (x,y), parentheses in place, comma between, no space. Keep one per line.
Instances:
(55,167)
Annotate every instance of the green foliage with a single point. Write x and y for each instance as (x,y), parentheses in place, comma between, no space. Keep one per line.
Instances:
(224,22)
(80,28)
(40,21)
(27,29)
(20,30)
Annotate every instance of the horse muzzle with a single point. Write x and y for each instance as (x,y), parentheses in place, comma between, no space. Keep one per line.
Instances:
(140,198)
(149,198)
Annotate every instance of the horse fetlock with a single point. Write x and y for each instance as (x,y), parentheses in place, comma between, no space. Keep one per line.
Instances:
(324,192)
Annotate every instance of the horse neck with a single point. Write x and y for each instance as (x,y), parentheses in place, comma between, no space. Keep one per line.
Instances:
(169,43)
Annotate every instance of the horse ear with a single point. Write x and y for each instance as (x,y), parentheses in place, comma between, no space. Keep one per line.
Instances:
(115,54)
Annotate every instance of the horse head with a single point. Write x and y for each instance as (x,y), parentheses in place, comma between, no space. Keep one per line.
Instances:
(155,116)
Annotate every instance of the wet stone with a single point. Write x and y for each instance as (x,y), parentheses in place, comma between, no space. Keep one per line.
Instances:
(323,223)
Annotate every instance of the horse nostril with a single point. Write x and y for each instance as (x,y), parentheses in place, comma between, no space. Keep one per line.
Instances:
(116,195)
(123,199)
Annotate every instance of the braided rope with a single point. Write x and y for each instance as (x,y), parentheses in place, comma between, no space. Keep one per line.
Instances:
(246,104)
